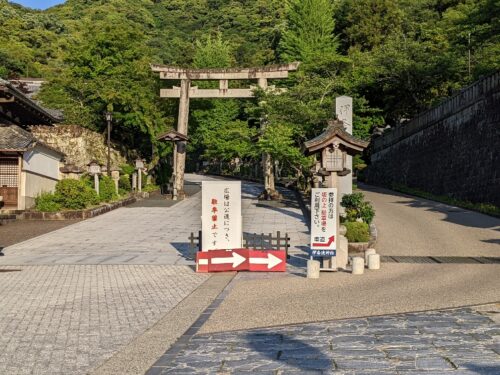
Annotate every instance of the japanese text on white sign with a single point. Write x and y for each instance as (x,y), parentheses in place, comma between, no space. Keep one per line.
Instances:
(221,215)
(323,221)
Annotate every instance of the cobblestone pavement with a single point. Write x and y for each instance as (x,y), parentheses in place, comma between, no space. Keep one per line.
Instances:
(67,319)
(459,341)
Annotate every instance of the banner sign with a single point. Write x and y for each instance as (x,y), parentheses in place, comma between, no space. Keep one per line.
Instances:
(324,222)
(241,260)
(221,215)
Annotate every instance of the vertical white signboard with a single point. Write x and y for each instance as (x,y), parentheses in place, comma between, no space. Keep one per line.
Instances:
(221,215)
(324,222)
(343,109)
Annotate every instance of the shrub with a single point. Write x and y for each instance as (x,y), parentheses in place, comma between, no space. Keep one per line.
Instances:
(107,189)
(151,187)
(357,208)
(357,231)
(127,169)
(46,202)
(124,183)
(75,194)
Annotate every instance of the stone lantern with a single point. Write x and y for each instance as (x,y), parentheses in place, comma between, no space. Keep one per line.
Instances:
(177,139)
(95,170)
(115,175)
(333,146)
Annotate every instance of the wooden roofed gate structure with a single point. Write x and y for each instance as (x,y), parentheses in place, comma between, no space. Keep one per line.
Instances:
(185,92)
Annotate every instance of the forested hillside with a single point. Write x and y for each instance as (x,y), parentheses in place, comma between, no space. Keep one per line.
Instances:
(394,57)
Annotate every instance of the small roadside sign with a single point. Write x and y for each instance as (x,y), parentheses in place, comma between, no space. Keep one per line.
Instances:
(221,215)
(324,222)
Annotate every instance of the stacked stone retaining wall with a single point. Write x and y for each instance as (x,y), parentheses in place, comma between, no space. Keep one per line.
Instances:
(451,150)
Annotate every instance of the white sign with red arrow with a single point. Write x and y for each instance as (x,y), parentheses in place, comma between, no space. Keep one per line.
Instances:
(324,221)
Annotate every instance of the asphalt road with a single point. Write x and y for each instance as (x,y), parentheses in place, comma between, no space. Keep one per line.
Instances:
(407,226)
(415,226)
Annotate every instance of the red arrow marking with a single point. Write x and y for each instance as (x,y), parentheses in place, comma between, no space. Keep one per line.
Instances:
(330,241)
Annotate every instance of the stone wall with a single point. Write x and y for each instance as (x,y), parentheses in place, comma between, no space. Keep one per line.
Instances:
(451,150)
(80,145)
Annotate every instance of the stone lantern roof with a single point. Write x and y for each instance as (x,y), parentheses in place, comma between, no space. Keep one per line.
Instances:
(335,132)
(172,136)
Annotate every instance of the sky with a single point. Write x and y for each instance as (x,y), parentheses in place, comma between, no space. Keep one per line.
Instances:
(38,4)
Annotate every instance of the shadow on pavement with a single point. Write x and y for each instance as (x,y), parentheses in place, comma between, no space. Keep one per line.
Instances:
(287,351)
(483,369)
(453,214)
(184,250)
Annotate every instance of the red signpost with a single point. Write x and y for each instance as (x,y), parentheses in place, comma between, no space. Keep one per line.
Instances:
(241,260)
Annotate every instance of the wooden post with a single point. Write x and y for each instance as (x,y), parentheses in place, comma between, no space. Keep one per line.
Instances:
(182,127)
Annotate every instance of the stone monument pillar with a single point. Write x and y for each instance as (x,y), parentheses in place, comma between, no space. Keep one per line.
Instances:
(343,110)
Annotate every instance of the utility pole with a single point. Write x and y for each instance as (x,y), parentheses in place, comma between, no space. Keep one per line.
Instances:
(109,118)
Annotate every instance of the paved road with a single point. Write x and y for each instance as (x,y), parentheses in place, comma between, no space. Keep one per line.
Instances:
(75,297)
(149,235)
(415,226)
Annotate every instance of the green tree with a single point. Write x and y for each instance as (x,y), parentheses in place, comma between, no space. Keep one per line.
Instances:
(308,36)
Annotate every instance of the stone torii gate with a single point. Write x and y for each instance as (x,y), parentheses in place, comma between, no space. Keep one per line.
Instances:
(186,91)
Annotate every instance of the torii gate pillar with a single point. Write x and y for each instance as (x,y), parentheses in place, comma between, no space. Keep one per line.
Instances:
(180,150)
(185,92)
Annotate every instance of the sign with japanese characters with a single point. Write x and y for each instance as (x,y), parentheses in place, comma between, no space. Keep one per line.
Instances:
(324,222)
(221,215)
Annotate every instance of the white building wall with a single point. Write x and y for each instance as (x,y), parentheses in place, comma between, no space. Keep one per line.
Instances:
(40,173)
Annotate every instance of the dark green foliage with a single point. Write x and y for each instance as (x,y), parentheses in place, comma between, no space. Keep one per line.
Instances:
(357,208)
(124,183)
(107,190)
(75,194)
(47,202)
(395,58)
(357,231)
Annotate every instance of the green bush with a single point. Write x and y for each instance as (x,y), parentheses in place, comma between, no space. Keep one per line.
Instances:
(357,208)
(75,194)
(107,189)
(127,169)
(357,231)
(46,202)
(124,183)
(151,187)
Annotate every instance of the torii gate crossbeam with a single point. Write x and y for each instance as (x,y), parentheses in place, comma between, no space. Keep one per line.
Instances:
(185,92)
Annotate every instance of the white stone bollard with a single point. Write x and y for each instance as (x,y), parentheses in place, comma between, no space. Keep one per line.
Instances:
(374,262)
(342,252)
(313,269)
(369,252)
(358,266)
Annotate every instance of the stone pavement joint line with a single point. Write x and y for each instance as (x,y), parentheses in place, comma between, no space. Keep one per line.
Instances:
(458,341)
